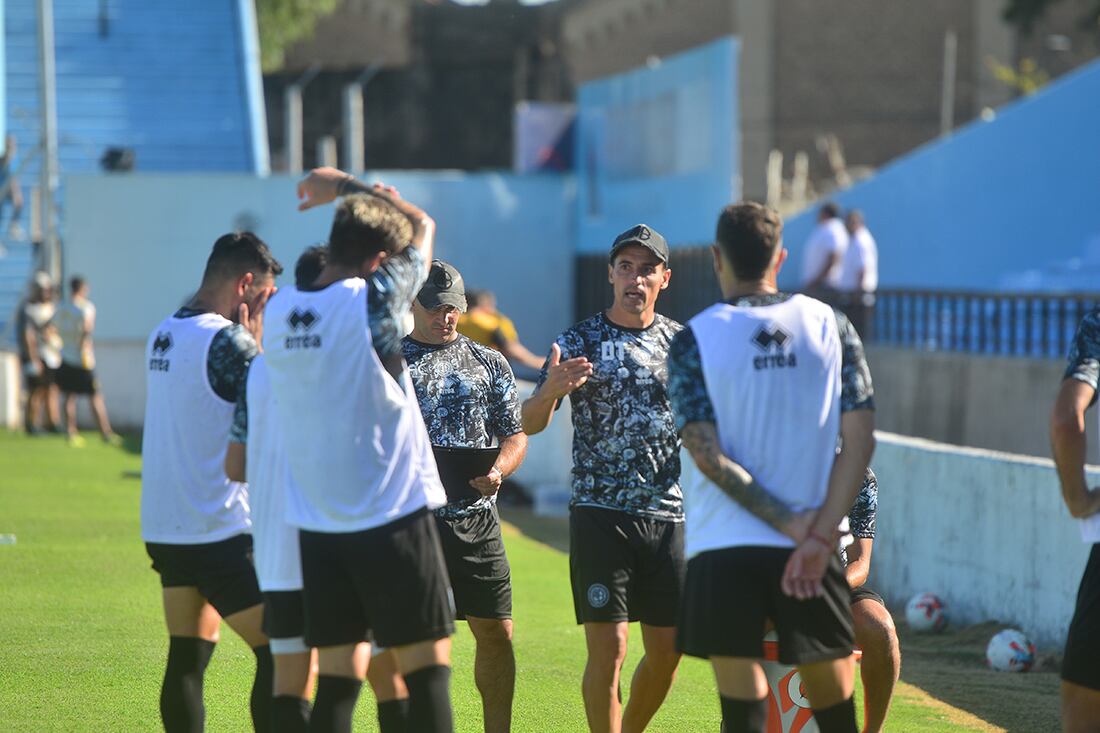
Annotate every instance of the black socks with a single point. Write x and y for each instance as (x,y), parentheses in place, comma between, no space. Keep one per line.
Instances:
(744,716)
(393,716)
(430,700)
(335,703)
(181,707)
(289,714)
(262,689)
(840,718)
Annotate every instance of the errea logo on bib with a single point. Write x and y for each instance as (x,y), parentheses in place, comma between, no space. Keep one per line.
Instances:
(162,344)
(771,339)
(301,321)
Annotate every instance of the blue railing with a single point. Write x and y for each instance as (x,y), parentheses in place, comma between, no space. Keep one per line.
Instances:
(997,324)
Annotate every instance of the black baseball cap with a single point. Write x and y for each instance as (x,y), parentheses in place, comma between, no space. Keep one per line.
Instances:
(644,236)
(444,286)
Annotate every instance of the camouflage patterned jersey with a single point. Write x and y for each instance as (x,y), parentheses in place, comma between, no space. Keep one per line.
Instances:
(468,397)
(1084,354)
(626,450)
(861,520)
(231,351)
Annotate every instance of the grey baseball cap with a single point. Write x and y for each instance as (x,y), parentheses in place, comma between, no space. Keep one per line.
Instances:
(444,286)
(644,236)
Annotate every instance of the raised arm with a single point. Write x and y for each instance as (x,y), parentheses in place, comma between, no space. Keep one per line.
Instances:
(324,185)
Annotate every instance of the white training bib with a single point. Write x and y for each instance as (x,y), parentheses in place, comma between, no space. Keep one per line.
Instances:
(358,451)
(773,375)
(185,495)
(275,541)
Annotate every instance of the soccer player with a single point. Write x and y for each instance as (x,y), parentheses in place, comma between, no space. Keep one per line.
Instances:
(257,454)
(75,321)
(1080,672)
(626,551)
(468,398)
(763,385)
(194,521)
(363,475)
(875,633)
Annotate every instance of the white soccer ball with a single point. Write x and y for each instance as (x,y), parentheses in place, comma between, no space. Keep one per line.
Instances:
(1010,651)
(926,612)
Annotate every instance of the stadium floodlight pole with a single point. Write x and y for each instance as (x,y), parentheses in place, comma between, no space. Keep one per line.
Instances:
(355,158)
(947,100)
(48,175)
(292,110)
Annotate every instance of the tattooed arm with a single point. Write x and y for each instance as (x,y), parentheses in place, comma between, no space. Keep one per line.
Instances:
(701,440)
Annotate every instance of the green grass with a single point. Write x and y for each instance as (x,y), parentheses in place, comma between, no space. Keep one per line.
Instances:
(82,642)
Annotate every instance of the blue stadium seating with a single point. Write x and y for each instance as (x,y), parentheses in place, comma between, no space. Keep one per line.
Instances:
(171,81)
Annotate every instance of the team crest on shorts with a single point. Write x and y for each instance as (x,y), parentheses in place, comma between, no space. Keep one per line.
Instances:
(598,595)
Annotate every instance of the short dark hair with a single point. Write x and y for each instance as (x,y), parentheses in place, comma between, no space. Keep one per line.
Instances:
(309,265)
(238,253)
(830,210)
(76,284)
(748,235)
(365,225)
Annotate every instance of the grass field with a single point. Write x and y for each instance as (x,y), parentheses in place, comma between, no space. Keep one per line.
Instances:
(82,644)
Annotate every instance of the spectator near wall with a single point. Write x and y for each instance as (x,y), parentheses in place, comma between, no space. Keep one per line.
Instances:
(858,279)
(825,250)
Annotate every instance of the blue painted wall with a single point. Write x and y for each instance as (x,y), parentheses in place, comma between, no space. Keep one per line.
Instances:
(659,145)
(1011,204)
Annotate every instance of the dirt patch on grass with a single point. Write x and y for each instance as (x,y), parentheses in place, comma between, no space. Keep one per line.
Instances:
(950,667)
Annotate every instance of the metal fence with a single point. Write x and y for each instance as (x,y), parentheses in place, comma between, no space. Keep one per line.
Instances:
(1005,324)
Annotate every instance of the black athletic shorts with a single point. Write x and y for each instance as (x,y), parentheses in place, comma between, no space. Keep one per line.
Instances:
(44,378)
(284,615)
(222,571)
(389,581)
(76,380)
(624,567)
(863,593)
(1080,664)
(731,593)
(476,563)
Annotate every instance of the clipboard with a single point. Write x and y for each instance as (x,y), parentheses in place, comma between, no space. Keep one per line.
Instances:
(458,465)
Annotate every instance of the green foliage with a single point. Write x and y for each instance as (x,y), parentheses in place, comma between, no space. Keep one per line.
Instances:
(1025,13)
(284,23)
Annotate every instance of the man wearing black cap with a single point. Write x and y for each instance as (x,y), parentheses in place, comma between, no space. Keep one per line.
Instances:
(626,550)
(468,397)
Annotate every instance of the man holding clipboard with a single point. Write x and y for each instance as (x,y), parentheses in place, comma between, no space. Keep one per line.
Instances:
(468,397)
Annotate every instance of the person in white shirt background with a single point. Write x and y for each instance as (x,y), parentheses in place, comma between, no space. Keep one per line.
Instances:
(858,278)
(75,321)
(825,249)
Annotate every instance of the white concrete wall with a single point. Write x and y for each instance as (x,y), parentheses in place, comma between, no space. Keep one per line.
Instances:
(986,531)
(142,240)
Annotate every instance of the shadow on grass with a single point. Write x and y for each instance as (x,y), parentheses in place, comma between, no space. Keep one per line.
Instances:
(950,667)
(131,442)
(550,531)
